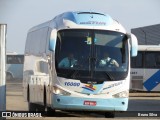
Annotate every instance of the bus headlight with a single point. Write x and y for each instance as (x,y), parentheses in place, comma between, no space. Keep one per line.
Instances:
(123,94)
(59,91)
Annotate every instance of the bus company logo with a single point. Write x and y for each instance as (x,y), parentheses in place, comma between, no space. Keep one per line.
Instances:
(89,87)
(72,84)
(94,22)
(113,85)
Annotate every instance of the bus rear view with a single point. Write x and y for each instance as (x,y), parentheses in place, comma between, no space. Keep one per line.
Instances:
(87,61)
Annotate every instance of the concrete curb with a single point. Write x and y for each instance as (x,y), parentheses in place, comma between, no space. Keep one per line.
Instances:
(130,94)
(144,94)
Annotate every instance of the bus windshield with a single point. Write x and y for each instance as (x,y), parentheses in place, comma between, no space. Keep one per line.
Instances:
(91,55)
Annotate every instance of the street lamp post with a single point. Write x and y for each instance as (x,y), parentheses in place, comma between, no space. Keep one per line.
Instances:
(3,28)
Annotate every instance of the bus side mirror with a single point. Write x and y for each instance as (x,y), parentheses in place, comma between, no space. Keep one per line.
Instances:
(52,40)
(134,45)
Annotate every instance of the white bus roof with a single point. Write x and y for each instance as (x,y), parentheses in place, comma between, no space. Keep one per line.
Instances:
(81,19)
(148,47)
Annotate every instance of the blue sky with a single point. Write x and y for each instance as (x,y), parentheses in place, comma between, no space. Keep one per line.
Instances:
(21,15)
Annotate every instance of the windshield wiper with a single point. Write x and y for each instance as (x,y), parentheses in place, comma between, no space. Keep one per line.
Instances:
(109,75)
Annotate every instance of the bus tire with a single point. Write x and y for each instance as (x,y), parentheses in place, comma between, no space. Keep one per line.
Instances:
(35,107)
(32,107)
(40,108)
(50,112)
(109,114)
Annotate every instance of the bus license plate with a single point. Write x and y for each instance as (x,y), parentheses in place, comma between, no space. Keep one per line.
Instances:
(90,103)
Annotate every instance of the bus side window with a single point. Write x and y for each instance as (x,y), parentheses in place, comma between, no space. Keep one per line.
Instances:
(150,61)
(158,61)
(137,62)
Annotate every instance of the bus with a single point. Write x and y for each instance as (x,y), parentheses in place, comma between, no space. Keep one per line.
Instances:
(51,83)
(14,66)
(145,69)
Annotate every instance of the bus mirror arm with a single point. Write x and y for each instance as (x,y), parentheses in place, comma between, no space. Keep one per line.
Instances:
(52,40)
(134,45)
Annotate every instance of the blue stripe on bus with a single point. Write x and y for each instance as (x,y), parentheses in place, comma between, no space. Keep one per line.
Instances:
(153,81)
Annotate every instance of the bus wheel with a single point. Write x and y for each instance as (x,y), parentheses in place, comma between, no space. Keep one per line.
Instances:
(41,108)
(9,76)
(36,108)
(109,114)
(50,112)
(32,107)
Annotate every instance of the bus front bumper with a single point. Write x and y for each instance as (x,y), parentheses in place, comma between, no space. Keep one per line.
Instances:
(77,103)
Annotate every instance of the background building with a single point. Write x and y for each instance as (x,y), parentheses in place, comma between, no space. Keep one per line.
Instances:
(148,35)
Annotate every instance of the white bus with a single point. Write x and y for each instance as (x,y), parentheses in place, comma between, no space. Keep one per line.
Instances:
(14,66)
(145,73)
(55,83)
